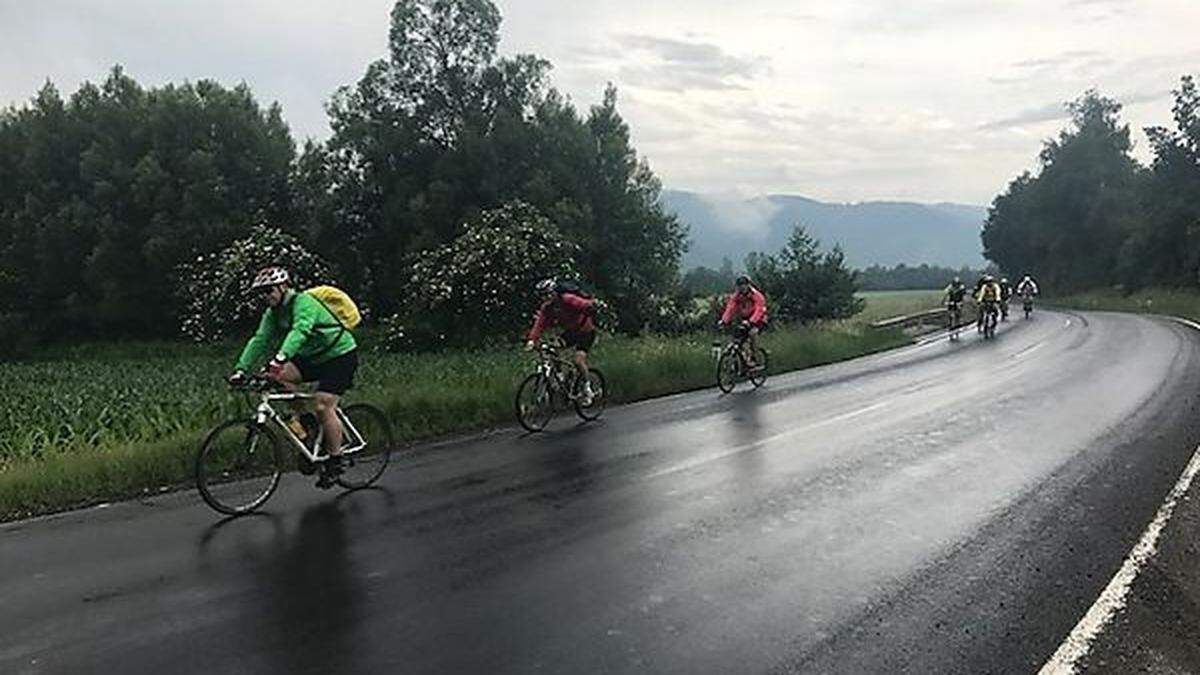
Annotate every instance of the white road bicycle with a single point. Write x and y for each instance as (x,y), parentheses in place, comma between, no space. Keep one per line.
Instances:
(241,461)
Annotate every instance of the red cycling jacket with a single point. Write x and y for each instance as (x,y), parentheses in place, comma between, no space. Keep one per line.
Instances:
(567,310)
(750,307)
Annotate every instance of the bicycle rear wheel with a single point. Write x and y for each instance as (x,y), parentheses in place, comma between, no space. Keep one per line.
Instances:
(238,467)
(599,395)
(759,376)
(729,370)
(370,430)
(534,403)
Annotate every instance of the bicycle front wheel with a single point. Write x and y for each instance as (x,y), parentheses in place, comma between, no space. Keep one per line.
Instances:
(728,370)
(369,443)
(534,403)
(238,467)
(599,388)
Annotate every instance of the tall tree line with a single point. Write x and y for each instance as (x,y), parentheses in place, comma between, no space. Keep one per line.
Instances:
(1092,216)
(105,194)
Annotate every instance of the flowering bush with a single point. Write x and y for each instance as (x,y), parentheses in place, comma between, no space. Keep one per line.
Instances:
(481,284)
(215,288)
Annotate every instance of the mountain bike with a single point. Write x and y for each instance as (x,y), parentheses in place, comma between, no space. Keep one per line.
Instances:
(239,465)
(953,318)
(990,319)
(732,365)
(555,384)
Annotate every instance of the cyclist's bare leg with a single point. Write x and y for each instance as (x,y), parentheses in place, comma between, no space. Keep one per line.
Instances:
(288,376)
(752,345)
(327,415)
(581,366)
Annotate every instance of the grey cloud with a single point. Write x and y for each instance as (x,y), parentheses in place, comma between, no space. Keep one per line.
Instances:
(679,65)
(1064,58)
(668,79)
(1045,113)
(1059,111)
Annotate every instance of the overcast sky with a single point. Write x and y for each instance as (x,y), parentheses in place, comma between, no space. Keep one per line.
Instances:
(931,100)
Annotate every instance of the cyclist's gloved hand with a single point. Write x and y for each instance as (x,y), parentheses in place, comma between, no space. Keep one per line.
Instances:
(275,367)
(529,345)
(236,379)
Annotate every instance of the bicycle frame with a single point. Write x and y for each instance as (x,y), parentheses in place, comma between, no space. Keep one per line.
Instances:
(553,367)
(737,345)
(352,442)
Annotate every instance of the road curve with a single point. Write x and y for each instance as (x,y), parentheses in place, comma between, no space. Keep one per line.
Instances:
(947,507)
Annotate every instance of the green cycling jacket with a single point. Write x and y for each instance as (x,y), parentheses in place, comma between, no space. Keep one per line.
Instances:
(302,327)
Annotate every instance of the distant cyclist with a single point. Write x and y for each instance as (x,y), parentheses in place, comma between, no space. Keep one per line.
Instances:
(311,345)
(566,306)
(983,279)
(1027,290)
(954,294)
(748,306)
(1027,287)
(1006,291)
(988,298)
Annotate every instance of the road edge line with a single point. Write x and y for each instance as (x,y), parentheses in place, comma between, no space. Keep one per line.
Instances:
(1112,599)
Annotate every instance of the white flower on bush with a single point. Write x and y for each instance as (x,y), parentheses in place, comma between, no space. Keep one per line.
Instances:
(214,289)
(481,284)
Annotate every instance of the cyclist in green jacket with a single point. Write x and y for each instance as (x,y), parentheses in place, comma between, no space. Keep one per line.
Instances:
(311,345)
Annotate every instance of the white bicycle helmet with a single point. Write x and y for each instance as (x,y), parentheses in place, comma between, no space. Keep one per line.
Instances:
(546,285)
(269,276)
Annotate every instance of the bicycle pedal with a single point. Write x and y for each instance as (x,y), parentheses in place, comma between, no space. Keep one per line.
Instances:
(305,466)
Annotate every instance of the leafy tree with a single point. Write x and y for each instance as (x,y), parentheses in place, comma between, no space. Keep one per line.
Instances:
(1068,222)
(803,284)
(481,284)
(1165,246)
(104,194)
(705,281)
(443,129)
(904,277)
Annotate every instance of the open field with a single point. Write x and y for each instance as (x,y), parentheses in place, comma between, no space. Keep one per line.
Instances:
(886,304)
(96,423)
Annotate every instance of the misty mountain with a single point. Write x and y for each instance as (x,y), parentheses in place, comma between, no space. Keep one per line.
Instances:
(871,233)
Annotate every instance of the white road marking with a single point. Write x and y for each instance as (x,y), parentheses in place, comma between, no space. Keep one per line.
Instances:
(1076,646)
(700,461)
(1079,642)
(1028,350)
(1187,322)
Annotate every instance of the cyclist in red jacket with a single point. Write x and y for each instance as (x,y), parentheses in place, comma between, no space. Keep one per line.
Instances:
(569,309)
(748,306)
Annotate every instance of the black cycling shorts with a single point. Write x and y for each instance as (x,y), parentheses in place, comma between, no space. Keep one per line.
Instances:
(742,330)
(581,340)
(334,376)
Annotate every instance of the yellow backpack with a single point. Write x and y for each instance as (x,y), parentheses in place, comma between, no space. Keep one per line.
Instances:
(339,304)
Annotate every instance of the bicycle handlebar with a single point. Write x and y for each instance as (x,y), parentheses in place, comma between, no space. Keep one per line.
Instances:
(254,382)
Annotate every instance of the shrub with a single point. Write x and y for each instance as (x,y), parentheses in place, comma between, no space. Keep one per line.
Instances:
(481,284)
(215,288)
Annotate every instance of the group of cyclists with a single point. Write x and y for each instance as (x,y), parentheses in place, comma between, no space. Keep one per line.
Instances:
(990,295)
(312,345)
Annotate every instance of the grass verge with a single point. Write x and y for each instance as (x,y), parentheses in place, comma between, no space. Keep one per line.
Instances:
(1175,302)
(110,424)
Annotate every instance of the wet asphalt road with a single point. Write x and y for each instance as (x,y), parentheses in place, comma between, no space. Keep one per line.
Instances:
(942,508)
